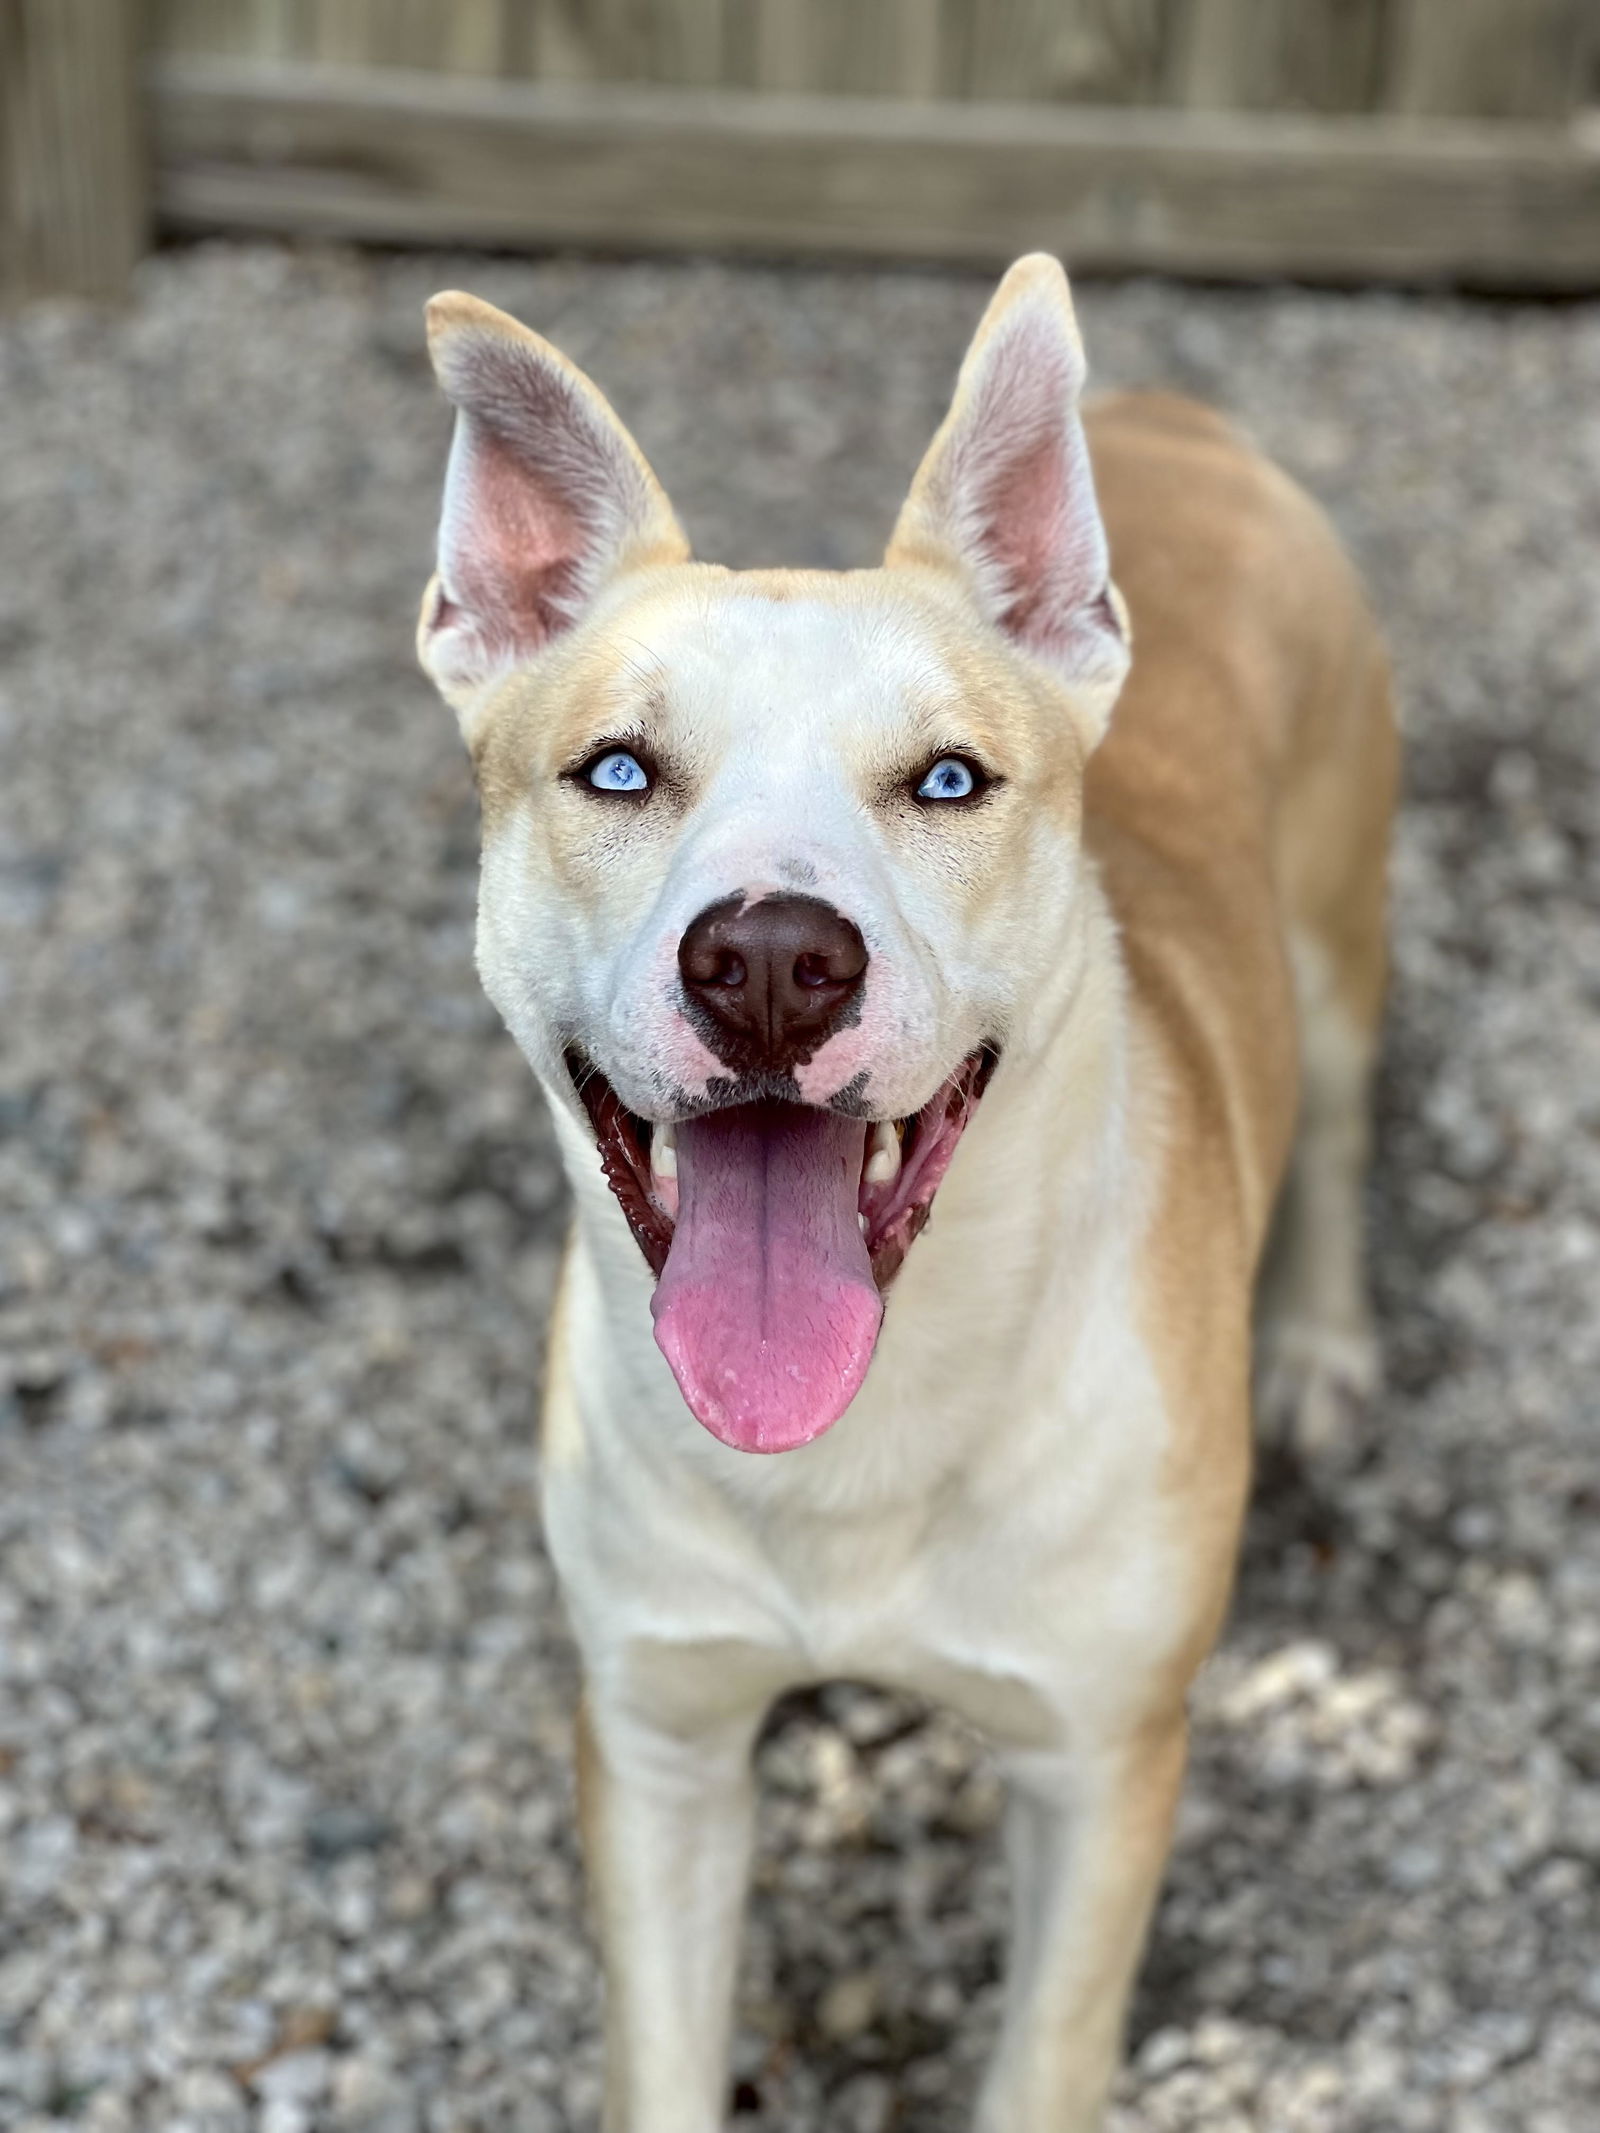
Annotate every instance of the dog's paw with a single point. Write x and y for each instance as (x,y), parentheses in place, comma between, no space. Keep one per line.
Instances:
(1315,1389)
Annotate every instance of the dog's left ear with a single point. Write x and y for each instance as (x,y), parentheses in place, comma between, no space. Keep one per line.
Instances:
(1005,497)
(546,500)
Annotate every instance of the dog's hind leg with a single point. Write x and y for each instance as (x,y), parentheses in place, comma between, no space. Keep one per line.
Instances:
(667,1825)
(1317,1357)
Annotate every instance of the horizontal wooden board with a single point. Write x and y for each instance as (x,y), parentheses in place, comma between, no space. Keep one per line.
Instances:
(409,158)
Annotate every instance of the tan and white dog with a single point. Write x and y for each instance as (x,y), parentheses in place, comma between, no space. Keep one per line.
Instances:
(810,897)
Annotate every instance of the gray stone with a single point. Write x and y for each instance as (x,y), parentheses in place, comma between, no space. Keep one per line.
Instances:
(285,1694)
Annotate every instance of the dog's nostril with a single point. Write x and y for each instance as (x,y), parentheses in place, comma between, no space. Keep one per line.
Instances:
(774,978)
(708,963)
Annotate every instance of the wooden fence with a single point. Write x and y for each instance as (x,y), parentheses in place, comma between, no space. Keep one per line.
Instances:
(1353,139)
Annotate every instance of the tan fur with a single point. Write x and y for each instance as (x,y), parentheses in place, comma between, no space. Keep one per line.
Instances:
(1242,799)
(1240,809)
(1209,1031)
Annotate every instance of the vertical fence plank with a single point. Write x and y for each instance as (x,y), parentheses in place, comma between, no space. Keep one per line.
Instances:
(277,29)
(774,46)
(1215,61)
(473,36)
(690,42)
(464,37)
(197,26)
(546,39)
(348,33)
(1485,58)
(1261,55)
(74,198)
(461,37)
(900,48)
(665,41)
(895,49)
(612,36)
(1514,59)
(839,47)
(1080,51)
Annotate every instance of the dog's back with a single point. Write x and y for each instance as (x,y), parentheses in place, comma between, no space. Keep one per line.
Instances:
(1239,808)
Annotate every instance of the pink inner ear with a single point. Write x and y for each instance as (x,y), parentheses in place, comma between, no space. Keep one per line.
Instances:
(513,557)
(1029,494)
(537,500)
(1023,521)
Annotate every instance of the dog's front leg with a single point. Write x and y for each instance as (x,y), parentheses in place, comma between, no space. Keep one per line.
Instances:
(667,1819)
(1087,1835)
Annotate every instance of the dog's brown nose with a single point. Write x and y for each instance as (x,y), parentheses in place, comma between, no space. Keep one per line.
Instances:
(775,978)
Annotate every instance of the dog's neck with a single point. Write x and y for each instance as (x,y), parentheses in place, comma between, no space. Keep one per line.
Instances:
(1044,1179)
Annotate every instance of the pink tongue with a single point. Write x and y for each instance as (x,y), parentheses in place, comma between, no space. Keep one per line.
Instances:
(766,1308)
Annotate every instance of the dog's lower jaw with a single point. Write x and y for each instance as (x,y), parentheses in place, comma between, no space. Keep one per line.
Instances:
(772,1230)
(897,1187)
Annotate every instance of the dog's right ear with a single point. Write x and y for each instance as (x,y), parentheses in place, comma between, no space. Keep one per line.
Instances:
(546,499)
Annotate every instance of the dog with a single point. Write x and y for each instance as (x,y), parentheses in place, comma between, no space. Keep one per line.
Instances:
(980,884)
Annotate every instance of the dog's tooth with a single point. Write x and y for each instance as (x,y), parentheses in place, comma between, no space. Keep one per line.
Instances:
(863,1221)
(664,1151)
(883,1155)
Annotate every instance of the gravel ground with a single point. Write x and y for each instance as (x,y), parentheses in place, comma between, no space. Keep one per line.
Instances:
(285,1814)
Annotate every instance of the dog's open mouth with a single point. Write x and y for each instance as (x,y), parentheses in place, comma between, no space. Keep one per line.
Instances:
(774,1229)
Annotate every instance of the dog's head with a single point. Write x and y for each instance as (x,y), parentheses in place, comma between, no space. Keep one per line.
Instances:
(775,863)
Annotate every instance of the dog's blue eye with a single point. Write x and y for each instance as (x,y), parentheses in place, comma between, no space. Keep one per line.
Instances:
(949,779)
(619,772)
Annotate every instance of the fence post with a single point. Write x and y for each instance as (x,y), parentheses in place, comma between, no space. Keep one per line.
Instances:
(74,186)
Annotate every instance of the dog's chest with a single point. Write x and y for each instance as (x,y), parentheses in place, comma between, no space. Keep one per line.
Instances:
(995,1581)
(1004,1616)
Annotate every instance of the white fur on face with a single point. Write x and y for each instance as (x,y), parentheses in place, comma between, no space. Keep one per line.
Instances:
(788,727)
(790,716)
